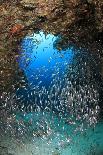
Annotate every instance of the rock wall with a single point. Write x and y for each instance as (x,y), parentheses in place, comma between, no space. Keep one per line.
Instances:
(78,21)
(58,14)
(98,13)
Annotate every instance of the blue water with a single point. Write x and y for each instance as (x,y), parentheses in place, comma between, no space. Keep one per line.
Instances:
(46,68)
(63,137)
(40,60)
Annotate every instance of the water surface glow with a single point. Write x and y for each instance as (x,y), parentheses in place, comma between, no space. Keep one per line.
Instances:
(40,60)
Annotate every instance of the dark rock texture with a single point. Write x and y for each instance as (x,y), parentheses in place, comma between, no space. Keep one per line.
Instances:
(80,22)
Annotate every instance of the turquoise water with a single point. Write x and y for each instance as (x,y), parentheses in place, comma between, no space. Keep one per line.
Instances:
(56,106)
(58,137)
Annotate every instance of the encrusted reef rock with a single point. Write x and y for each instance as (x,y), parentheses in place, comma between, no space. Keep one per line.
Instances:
(98,12)
(59,14)
(28,4)
(76,20)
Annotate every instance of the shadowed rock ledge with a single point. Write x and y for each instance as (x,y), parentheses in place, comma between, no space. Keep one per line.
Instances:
(79,22)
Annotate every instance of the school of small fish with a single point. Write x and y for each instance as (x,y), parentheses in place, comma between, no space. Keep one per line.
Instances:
(32,108)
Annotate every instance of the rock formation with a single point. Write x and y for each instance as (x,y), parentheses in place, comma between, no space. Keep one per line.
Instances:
(78,21)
